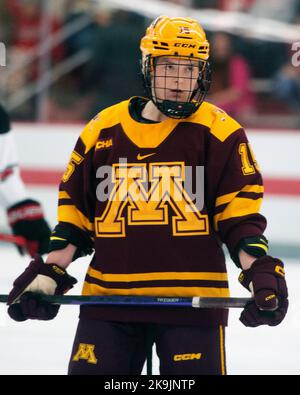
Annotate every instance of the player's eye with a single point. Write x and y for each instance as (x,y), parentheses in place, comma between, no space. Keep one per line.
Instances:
(170,67)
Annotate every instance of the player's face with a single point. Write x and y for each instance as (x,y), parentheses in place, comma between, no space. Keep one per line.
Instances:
(175,79)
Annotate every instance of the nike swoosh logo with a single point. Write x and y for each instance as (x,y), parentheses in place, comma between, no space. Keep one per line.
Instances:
(141,157)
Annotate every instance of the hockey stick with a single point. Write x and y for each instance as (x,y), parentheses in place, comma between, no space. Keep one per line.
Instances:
(28,246)
(18,240)
(144,301)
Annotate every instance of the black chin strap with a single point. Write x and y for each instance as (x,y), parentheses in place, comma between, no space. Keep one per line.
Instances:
(174,109)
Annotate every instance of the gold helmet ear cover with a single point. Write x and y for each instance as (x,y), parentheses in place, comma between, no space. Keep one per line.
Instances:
(179,38)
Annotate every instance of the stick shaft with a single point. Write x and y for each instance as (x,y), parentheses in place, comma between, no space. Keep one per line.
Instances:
(144,301)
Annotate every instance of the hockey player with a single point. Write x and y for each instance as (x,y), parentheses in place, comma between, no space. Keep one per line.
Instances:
(25,215)
(149,235)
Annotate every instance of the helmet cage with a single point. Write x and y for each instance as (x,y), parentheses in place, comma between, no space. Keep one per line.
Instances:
(175,108)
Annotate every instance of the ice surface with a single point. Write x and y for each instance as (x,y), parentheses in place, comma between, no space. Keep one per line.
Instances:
(44,347)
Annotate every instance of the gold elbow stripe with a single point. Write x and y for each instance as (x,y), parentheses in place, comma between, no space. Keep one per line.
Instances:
(63,195)
(224,199)
(70,214)
(86,223)
(239,207)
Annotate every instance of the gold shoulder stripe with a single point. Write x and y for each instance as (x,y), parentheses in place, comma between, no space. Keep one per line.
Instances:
(221,125)
(89,136)
(106,118)
(110,116)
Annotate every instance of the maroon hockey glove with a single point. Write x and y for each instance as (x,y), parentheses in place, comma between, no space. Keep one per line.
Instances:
(38,278)
(27,220)
(266,280)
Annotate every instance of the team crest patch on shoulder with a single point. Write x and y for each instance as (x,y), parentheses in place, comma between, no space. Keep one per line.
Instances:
(96,117)
(222,114)
(104,144)
(218,110)
(94,122)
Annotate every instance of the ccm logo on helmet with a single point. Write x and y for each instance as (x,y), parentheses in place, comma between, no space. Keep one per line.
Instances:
(186,357)
(184,45)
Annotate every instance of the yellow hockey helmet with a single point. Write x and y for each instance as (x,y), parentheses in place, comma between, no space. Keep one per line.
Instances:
(175,37)
(179,38)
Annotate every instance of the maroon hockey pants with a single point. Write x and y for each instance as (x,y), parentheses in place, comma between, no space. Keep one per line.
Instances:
(110,348)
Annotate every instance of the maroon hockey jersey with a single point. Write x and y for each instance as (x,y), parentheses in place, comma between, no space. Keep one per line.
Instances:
(159,200)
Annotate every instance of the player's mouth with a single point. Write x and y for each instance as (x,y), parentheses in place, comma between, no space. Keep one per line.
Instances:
(175,94)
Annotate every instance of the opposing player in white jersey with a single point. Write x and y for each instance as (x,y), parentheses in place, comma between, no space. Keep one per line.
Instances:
(25,216)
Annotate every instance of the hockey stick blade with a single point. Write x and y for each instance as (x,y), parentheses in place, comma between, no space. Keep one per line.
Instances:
(144,301)
(18,240)
(30,247)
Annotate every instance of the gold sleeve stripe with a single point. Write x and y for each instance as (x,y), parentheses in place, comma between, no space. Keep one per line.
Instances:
(71,215)
(63,195)
(94,289)
(239,207)
(230,196)
(226,198)
(86,223)
(157,276)
(253,188)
